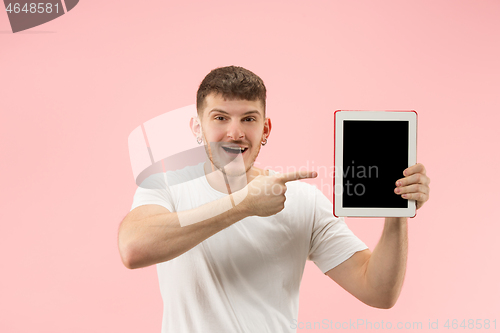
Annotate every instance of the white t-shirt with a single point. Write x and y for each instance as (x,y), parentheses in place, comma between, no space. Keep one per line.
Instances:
(246,277)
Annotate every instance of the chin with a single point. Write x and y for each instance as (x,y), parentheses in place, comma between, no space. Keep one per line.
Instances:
(235,170)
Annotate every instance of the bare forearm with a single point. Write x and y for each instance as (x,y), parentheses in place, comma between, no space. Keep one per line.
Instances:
(161,237)
(387,265)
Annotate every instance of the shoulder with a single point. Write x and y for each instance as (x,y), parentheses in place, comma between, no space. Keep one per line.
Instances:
(162,180)
(185,174)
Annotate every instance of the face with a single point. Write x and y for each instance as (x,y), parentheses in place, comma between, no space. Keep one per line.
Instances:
(232,131)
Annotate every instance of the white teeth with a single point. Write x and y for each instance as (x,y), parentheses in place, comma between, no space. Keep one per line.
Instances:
(235,149)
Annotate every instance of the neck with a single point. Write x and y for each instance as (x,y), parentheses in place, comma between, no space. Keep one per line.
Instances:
(229,183)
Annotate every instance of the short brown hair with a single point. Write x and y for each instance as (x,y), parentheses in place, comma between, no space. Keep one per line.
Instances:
(231,82)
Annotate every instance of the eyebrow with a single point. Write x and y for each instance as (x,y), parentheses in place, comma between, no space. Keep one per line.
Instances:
(222,111)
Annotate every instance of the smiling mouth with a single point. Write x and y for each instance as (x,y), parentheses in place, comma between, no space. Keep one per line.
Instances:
(235,150)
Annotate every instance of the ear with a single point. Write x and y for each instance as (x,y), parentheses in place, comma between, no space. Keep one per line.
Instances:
(267,129)
(195,125)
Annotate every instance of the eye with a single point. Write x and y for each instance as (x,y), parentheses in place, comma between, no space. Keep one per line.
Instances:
(249,119)
(219,118)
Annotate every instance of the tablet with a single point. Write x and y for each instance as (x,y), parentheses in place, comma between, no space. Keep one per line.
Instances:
(372,149)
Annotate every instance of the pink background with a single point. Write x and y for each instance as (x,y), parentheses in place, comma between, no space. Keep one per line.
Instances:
(73,89)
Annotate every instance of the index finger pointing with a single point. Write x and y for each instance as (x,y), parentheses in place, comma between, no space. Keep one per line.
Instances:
(296,175)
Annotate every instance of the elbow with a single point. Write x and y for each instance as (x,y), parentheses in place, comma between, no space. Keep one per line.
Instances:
(126,258)
(127,262)
(392,302)
(387,305)
(127,247)
(381,300)
(385,302)
(127,255)
(132,257)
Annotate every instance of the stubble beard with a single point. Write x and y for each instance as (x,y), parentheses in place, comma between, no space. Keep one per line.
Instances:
(230,172)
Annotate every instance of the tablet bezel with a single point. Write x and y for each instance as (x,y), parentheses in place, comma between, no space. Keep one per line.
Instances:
(339,117)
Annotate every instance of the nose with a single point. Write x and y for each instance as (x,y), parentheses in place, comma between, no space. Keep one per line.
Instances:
(235,131)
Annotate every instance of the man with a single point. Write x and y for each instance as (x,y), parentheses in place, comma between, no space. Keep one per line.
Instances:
(231,240)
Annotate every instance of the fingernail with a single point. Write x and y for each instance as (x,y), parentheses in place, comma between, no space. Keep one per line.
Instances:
(398,183)
(404,195)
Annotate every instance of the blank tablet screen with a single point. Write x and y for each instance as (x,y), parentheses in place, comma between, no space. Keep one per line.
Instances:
(375,156)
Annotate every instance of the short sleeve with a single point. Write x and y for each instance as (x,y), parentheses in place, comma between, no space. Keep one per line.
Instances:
(332,242)
(154,190)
